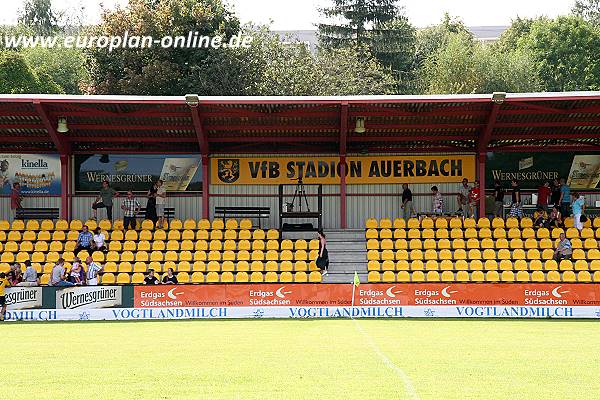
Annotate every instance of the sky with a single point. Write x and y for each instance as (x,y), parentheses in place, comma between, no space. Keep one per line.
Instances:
(303,14)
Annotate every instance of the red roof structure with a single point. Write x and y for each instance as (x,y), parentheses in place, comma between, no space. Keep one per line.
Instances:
(549,122)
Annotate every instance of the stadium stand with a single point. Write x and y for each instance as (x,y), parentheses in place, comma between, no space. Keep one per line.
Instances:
(202,251)
(458,250)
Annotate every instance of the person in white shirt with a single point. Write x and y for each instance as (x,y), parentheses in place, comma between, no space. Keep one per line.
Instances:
(92,272)
(99,240)
(161,200)
(30,277)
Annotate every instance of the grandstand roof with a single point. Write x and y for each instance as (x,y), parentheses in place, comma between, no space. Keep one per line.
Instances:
(449,123)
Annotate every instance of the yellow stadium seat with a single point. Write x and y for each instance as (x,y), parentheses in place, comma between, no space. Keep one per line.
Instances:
(553,276)
(536,265)
(460,254)
(147,225)
(565,265)
(499,233)
(463,276)
(385,234)
(483,223)
(199,266)
(418,276)
(388,276)
(108,279)
(245,224)
(137,278)
(447,276)
(123,279)
(125,267)
(442,234)
(256,277)
(596,276)
(456,223)
(300,277)
(550,265)
(522,276)
(241,277)
(272,234)
(286,277)
(399,223)
(507,276)
(456,233)
(584,276)
(314,277)
(415,244)
(212,277)
(516,244)
(492,276)
(432,276)
(226,277)
(485,233)
(520,265)
(373,265)
(401,244)
(441,223)
(444,244)
(569,277)
(491,265)
(458,244)
(471,233)
(474,254)
(385,223)
(403,276)
(413,223)
(373,277)
(538,276)
(156,266)
(469,223)
(417,265)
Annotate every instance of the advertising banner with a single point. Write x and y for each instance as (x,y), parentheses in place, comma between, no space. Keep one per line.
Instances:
(359,170)
(81,297)
(37,173)
(22,298)
(582,171)
(137,172)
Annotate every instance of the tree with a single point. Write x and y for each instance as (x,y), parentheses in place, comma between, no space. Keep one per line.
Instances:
(377,25)
(466,66)
(156,70)
(66,67)
(588,10)
(520,27)
(19,78)
(39,15)
(565,51)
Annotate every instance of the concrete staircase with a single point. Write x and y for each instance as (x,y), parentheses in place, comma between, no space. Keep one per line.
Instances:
(347,253)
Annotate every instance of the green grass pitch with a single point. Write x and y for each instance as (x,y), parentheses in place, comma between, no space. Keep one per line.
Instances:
(293,359)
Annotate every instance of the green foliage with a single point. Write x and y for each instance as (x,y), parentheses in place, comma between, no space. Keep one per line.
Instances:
(19,78)
(39,15)
(565,52)
(65,67)
(588,10)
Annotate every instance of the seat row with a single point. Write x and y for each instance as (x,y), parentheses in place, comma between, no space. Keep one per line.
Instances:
(210,277)
(413,244)
(471,233)
(257,234)
(480,265)
(480,276)
(457,222)
(159,245)
(475,254)
(170,255)
(176,224)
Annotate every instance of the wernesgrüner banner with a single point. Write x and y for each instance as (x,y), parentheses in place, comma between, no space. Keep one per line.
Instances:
(327,171)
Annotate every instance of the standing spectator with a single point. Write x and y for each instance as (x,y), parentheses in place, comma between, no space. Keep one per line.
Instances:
(437,202)
(516,209)
(544,193)
(150,279)
(161,201)
(58,278)
(105,200)
(3,284)
(84,240)
(565,198)
(151,204)
(169,278)
(30,277)
(93,270)
(498,199)
(578,210)
(463,196)
(407,202)
(15,198)
(131,208)
(555,197)
(474,196)
(555,218)
(564,248)
(322,260)
(75,273)
(99,241)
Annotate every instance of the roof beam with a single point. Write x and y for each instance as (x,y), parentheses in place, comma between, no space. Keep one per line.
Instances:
(486,135)
(62,144)
(201,133)
(549,124)
(343,127)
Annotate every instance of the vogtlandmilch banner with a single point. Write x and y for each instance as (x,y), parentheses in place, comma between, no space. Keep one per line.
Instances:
(581,171)
(327,171)
(137,172)
(79,297)
(37,173)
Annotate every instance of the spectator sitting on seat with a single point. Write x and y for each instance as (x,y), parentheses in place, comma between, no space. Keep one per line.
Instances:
(437,201)
(463,197)
(84,240)
(131,208)
(93,270)
(17,274)
(99,242)
(555,218)
(13,278)
(58,278)
(15,198)
(540,218)
(169,278)
(75,273)
(105,200)
(150,279)
(30,277)
(564,248)
(3,284)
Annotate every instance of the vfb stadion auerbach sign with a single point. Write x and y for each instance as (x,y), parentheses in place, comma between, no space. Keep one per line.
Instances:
(89,297)
(358,170)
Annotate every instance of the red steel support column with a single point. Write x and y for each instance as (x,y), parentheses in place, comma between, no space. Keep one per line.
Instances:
(65,194)
(343,191)
(205,183)
(481,158)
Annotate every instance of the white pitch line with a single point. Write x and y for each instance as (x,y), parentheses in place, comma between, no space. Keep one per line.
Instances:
(408,385)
